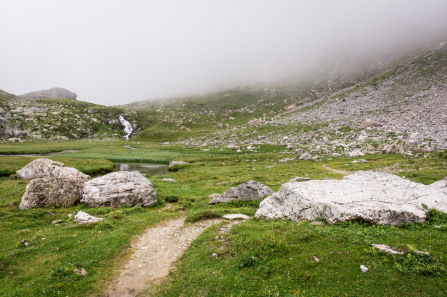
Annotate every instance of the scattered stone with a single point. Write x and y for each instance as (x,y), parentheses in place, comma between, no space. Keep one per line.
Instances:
(316,259)
(236,217)
(364,269)
(233,147)
(298,179)
(362,161)
(356,153)
(42,192)
(167,179)
(55,222)
(398,147)
(375,197)
(84,218)
(70,215)
(214,255)
(247,191)
(305,156)
(174,163)
(386,248)
(317,223)
(24,242)
(40,168)
(119,188)
(80,271)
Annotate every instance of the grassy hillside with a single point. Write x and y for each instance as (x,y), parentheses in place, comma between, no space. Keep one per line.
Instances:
(56,119)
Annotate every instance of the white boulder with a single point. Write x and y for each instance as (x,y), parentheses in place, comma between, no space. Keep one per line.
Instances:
(40,168)
(375,197)
(119,188)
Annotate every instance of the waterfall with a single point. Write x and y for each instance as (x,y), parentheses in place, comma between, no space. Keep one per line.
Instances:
(127,127)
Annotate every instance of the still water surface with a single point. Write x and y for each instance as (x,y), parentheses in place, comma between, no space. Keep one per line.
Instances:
(144,168)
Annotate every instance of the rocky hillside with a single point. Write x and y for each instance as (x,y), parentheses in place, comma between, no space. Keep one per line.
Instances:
(55,119)
(403,103)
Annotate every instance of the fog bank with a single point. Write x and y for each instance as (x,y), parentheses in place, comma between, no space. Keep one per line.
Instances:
(115,51)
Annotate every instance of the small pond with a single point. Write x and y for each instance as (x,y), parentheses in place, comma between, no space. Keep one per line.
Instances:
(144,168)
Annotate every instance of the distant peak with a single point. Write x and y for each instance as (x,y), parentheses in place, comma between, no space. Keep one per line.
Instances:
(51,93)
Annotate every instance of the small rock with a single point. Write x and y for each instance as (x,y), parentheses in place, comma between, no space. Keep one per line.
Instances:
(56,222)
(316,259)
(317,223)
(299,179)
(214,255)
(364,269)
(70,215)
(361,161)
(167,179)
(386,248)
(174,163)
(80,271)
(84,218)
(236,217)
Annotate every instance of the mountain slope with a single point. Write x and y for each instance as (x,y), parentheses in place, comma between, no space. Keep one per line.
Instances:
(55,119)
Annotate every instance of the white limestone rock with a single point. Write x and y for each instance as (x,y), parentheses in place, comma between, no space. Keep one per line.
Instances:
(376,197)
(119,188)
(42,192)
(41,168)
(84,218)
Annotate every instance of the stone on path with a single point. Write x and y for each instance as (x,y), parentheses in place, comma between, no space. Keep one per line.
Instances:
(375,197)
(118,189)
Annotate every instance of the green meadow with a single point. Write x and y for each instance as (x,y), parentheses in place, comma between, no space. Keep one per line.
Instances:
(256,258)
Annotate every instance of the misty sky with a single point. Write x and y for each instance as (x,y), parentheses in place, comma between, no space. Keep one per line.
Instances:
(114,51)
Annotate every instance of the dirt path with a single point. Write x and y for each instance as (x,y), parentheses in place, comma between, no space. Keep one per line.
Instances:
(337,171)
(155,254)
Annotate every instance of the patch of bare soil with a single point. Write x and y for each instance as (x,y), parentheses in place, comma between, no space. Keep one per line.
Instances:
(155,254)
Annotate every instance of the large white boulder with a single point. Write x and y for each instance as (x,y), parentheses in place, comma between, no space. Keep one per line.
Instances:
(47,191)
(376,197)
(40,168)
(119,188)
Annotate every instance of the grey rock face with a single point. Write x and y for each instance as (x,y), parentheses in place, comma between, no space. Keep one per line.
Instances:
(41,192)
(118,189)
(40,168)
(376,197)
(247,191)
(51,93)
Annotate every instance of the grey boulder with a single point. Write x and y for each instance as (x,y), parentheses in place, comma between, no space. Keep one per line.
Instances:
(40,168)
(375,197)
(247,191)
(42,192)
(118,189)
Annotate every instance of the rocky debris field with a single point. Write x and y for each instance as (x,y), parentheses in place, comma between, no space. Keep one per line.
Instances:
(404,101)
